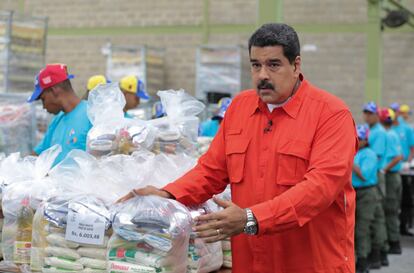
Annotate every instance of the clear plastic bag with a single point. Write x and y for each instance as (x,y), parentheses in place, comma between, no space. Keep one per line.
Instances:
(22,195)
(106,177)
(165,168)
(203,257)
(203,144)
(178,131)
(151,234)
(112,133)
(53,221)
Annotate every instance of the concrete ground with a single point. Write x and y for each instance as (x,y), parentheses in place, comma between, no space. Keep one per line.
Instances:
(401,263)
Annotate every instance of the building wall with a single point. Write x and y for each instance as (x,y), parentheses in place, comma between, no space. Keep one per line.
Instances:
(398,68)
(334,61)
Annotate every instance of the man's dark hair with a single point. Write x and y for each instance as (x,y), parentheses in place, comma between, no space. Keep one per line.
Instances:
(65,85)
(277,35)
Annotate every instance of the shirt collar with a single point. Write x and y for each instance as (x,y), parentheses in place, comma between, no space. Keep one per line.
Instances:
(292,106)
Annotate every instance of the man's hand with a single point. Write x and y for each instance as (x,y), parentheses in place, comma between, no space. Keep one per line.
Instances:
(148,190)
(223,224)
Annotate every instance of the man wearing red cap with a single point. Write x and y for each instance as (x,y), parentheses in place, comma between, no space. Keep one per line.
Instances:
(70,125)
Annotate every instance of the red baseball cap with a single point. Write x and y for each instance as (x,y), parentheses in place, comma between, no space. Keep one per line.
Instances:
(53,74)
(49,76)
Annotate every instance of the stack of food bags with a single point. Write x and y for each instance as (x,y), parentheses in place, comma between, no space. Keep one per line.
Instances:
(21,196)
(112,133)
(88,187)
(203,257)
(151,234)
(178,130)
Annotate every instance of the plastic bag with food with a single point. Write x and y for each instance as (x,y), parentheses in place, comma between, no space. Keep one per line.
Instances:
(88,187)
(70,233)
(112,133)
(178,130)
(21,196)
(151,234)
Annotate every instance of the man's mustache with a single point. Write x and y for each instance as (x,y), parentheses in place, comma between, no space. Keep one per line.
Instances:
(265,85)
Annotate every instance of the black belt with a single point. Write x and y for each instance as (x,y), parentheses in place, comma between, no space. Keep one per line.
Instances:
(365,188)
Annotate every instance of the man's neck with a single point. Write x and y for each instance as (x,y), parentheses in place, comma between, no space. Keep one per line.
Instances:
(292,93)
(70,102)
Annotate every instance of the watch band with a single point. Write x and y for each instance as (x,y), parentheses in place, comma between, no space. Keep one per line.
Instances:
(251,227)
(250,216)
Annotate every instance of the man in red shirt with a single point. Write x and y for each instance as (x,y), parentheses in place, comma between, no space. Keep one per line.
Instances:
(286,149)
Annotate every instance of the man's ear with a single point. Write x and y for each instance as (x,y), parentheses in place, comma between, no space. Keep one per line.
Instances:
(297,65)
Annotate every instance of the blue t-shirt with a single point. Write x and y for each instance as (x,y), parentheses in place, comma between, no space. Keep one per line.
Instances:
(367,161)
(393,149)
(401,120)
(405,133)
(377,140)
(209,128)
(68,130)
(128,115)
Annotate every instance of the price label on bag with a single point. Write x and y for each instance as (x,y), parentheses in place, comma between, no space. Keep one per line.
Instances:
(85,229)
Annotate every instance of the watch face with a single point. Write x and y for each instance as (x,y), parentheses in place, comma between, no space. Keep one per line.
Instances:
(251,228)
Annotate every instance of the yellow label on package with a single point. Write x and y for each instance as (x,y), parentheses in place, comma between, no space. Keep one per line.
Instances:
(21,254)
(122,267)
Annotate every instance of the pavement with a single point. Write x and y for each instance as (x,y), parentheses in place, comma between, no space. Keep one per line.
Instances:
(400,263)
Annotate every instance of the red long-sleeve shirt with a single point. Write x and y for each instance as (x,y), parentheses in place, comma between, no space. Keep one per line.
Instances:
(295,175)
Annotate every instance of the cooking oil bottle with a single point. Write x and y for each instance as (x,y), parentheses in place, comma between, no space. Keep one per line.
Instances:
(23,243)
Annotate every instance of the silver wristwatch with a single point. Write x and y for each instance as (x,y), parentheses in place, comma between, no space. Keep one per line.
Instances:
(251,225)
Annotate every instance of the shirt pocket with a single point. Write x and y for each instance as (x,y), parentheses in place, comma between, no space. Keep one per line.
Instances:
(293,161)
(236,149)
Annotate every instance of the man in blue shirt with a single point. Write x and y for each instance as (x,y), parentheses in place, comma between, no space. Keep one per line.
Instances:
(405,132)
(391,165)
(365,180)
(210,127)
(377,141)
(377,135)
(70,126)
